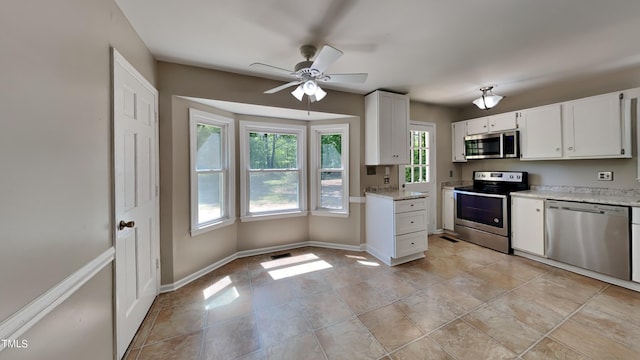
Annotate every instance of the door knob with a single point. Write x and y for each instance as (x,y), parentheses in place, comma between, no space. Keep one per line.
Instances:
(126,224)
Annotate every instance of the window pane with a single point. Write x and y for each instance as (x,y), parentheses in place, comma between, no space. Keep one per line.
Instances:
(331,190)
(416,174)
(425,174)
(273,151)
(209,197)
(271,191)
(407,174)
(425,160)
(331,151)
(425,134)
(209,148)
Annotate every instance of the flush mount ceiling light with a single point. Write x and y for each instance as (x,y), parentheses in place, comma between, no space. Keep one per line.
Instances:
(488,98)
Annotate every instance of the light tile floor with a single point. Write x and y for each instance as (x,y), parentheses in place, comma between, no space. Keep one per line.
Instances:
(461,302)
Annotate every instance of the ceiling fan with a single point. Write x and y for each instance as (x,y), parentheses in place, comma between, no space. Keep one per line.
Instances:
(308,73)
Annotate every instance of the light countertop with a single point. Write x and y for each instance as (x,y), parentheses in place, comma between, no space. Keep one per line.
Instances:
(398,194)
(592,195)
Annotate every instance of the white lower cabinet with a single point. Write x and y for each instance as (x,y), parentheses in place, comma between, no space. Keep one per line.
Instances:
(447,209)
(396,229)
(527,225)
(635,244)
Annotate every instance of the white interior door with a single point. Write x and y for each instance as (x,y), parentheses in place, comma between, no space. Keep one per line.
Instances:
(136,203)
(420,175)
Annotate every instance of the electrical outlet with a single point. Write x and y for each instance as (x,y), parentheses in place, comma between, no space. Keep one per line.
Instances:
(605,175)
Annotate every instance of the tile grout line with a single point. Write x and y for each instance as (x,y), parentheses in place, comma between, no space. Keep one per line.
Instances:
(546,335)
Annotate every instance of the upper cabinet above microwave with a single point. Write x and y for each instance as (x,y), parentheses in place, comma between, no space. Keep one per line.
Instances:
(493,123)
(386,128)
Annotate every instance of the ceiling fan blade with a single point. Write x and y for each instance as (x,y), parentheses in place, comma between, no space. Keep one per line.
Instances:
(282,87)
(346,78)
(327,56)
(271,69)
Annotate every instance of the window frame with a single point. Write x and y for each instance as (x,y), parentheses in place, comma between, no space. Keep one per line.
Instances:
(316,169)
(247,127)
(227,137)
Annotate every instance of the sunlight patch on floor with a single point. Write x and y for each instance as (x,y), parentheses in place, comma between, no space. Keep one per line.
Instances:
(299,269)
(288,261)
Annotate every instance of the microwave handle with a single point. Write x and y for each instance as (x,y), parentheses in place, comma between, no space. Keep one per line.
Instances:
(501,146)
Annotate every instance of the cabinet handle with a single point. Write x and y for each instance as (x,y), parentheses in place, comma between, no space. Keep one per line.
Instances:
(557,149)
(413,243)
(538,210)
(412,222)
(570,147)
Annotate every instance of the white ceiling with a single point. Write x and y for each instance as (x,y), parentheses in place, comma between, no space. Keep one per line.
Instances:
(438,51)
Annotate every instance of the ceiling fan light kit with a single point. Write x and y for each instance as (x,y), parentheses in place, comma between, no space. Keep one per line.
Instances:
(307,73)
(488,99)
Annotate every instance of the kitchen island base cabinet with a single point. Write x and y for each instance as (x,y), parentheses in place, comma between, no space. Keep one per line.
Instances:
(396,228)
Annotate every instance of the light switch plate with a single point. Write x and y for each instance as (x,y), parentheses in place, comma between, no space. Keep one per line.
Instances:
(605,175)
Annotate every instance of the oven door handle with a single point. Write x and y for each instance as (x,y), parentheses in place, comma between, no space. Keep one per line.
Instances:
(479,194)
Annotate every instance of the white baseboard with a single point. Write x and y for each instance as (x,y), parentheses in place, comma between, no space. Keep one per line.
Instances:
(246,253)
(189,278)
(20,322)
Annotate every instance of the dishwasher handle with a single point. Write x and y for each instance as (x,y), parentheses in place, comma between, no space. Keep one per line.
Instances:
(591,211)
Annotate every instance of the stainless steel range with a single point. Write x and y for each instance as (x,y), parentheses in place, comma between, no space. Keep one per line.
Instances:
(482,211)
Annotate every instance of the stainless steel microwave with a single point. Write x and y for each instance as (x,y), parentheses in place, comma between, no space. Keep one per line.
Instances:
(492,146)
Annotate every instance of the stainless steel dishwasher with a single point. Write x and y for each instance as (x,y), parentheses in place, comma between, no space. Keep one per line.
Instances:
(590,236)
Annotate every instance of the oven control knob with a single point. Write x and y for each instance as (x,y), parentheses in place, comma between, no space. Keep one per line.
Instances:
(496,220)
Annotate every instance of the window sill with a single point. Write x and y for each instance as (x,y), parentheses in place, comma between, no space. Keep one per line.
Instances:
(330,213)
(214,226)
(273,216)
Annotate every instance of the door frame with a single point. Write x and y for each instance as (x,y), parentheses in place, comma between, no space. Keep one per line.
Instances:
(432,187)
(118,59)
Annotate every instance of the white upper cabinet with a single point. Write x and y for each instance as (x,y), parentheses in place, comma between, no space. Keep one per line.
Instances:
(503,122)
(541,132)
(593,127)
(478,126)
(458,132)
(386,128)
(493,123)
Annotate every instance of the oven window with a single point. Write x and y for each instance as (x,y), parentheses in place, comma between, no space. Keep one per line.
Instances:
(480,209)
(488,146)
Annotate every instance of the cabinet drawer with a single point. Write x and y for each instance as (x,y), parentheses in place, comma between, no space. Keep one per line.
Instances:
(401,206)
(411,243)
(411,222)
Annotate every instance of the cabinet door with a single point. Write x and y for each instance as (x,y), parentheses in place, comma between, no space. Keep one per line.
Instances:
(502,122)
(385,125)
(447,209)
(477,126)
(593,127)
(400,130)
(458,132)
(527,225)
(541,133)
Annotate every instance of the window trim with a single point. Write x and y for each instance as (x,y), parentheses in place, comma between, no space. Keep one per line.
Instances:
(315,169)
(228,157)
(300,131)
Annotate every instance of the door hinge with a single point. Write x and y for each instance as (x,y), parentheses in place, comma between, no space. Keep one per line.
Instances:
(621,96)
(157,263)
(621,151)
(156,117)
(157,190)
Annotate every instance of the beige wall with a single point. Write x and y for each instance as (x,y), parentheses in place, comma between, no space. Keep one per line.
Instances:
(55,155)
(565,172)
(182,254)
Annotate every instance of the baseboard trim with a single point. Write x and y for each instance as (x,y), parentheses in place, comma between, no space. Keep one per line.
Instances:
(25,318)
(246,253)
